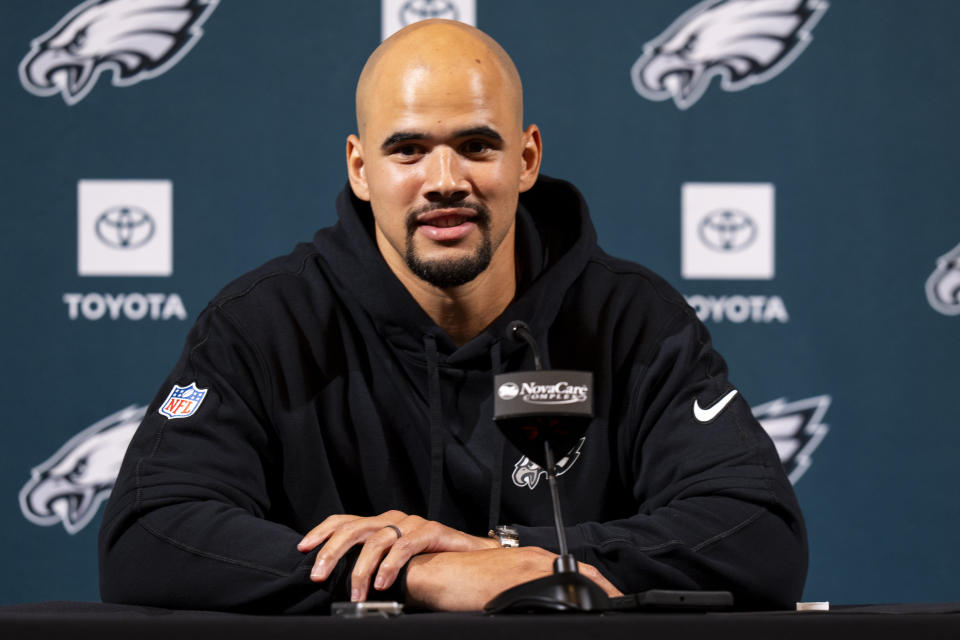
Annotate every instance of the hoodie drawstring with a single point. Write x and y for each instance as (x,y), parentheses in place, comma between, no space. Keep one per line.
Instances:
(436,428)
(436,437)
(494,513)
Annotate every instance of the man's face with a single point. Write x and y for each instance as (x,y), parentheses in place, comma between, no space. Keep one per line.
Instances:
(442,166)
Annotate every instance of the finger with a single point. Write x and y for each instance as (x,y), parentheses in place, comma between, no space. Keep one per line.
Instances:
(391,565)
(373,550)
(594,574)
(419,536)
(345,537)
(339,542)
(323,531)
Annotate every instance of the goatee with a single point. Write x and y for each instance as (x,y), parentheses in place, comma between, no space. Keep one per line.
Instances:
(453,272)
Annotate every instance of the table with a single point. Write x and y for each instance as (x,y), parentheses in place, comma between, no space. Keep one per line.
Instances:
(75,620)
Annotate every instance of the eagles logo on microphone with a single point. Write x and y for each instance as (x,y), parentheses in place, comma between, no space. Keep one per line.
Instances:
(527,473)
(135,39)
(745,42)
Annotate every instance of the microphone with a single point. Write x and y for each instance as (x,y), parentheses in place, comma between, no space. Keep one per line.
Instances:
(541,412)
(543,407)
(518,331)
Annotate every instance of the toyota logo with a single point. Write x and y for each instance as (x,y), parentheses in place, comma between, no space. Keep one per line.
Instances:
(727,230)
(125,227)
(416,10)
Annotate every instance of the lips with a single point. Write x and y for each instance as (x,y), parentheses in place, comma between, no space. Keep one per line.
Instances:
(446,225)
(446,217)
(448,221)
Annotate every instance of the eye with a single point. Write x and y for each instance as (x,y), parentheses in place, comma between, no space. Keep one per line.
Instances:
(476,147)
(407,151)
(78,41)
(77,472)
(688,45)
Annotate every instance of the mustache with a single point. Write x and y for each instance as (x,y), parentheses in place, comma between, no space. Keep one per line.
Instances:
(482,218)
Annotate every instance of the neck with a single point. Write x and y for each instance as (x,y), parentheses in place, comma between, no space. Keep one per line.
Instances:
(465,311)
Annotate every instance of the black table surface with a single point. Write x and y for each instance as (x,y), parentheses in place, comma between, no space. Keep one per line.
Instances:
(73,620)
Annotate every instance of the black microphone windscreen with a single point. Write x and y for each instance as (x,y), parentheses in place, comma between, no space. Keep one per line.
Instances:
(514,329)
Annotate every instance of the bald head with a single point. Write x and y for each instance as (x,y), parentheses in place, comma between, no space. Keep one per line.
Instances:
(442,157)
(440,48)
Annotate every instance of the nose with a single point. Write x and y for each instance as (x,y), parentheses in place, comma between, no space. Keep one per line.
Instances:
(446,178)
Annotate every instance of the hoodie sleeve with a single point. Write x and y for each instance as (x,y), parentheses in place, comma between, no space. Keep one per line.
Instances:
(715,509)
(190,523)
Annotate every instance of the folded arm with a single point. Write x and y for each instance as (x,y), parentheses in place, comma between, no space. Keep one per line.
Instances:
(195,519)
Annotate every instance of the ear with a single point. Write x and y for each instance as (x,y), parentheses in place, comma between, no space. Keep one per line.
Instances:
(355,168)
(530,157)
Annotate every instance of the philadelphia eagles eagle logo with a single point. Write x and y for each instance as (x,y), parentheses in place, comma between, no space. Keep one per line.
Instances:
(527,473)
(745,42)
(943,285)
(796,428)
(70,485)
(135,39)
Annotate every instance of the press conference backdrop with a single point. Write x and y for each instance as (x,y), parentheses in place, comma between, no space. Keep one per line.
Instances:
(789,165)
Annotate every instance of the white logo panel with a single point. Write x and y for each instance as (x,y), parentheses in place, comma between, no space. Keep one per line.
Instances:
(727,231)
(396,14)
(125,228)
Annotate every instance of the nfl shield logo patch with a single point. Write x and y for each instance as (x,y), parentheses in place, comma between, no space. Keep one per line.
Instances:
(183,402)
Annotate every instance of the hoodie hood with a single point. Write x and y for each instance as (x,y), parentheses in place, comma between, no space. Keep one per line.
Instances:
(555,238)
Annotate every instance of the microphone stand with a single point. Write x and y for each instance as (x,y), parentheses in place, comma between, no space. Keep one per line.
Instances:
(566,589)
(564,563)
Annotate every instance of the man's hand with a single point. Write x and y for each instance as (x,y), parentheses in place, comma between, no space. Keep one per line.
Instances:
(341,532)
(467,581)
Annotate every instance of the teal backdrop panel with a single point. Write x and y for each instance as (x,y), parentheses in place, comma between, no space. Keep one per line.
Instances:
(788,165)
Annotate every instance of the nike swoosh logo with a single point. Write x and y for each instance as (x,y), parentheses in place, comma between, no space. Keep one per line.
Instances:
(708,414)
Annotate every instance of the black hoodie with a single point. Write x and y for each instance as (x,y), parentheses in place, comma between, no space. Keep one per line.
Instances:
(329,390)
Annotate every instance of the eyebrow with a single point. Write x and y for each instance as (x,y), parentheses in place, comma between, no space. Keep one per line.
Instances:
(406,136)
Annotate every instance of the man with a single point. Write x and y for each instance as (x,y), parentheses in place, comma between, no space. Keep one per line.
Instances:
(327,432)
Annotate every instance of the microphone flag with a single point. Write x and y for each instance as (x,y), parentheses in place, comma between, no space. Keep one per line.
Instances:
(531,407)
